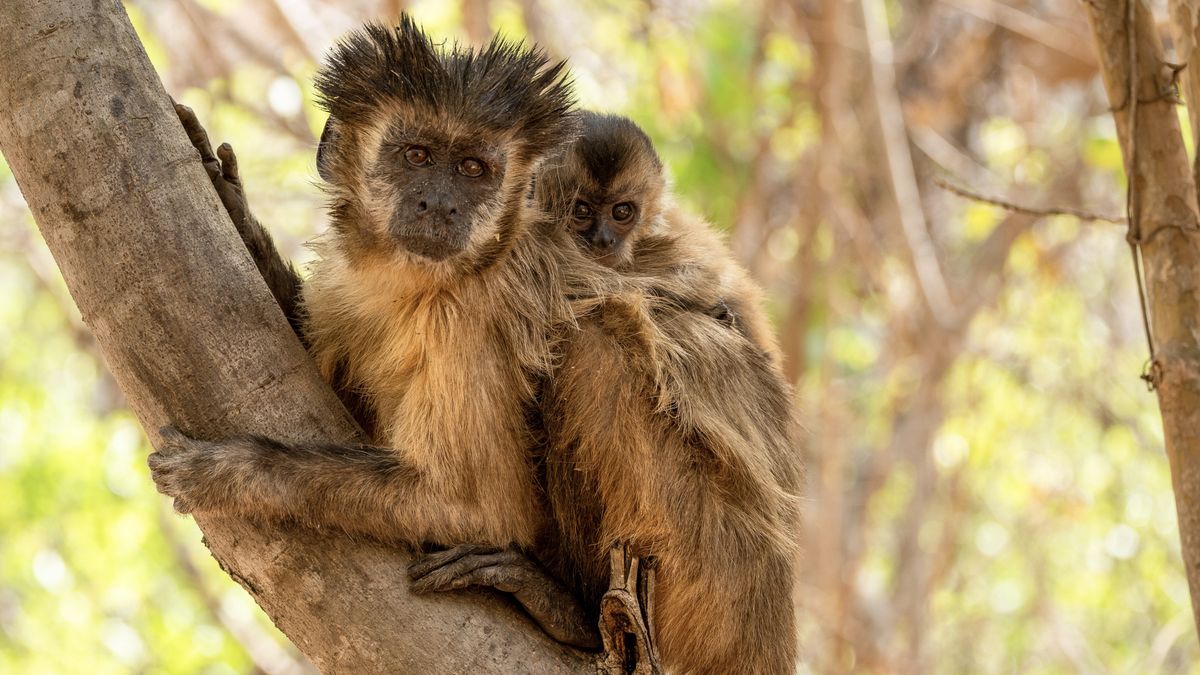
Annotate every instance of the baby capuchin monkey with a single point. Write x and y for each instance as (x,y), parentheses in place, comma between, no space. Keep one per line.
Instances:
(611,189)
(431,309)
(670,428)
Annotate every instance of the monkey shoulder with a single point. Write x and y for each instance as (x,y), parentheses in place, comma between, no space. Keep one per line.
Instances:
(689,268)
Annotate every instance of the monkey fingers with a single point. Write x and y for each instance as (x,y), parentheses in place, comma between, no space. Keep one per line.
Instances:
(504,570)
(229,165)
(221,167)
(196,133)
(169,466)
(225,176)
(626,615)
(438,560)
(550,604)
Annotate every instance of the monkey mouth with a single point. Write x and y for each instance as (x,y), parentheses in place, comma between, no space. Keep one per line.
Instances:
(609,258)
(432,239)
(431,248)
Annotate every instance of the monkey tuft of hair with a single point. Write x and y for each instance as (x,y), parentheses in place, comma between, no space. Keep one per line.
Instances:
(608,185)
(490,90)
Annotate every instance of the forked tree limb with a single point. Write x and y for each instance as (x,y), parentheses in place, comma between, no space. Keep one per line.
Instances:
(194,338)
(1165,212)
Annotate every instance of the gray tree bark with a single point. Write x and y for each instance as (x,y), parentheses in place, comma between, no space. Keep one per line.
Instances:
(194,338)
(1165,208)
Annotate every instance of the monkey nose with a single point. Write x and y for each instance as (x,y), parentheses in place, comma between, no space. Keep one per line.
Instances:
(604,240)
(436,205)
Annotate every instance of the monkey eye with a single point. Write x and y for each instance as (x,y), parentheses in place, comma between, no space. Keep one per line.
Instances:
(470,167)
(582,210)
(417,156)
(623,211)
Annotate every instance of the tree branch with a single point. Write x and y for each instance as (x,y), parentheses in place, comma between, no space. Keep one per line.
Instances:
(1026,210)
(900,170)
(193,337)
(1165,213)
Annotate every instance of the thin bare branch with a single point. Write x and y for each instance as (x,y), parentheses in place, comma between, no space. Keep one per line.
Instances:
(1042,212)
(900,167)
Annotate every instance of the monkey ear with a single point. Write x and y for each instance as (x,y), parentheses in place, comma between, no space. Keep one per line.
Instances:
(325,149)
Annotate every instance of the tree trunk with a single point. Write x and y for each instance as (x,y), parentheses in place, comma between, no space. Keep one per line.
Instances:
(194,338)
(1165,208)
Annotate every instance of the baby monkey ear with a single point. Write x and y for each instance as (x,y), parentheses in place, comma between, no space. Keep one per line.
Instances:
(325,150)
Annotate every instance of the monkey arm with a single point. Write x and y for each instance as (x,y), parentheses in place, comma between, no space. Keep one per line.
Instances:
(508,570)
(353,487)
(360,489)
(222,170)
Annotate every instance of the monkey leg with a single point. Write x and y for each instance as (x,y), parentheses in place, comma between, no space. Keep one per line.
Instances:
(222,170)
(508,570)
(627,616)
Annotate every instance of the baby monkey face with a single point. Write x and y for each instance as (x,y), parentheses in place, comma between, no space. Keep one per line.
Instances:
(604,225)
(433,192)
(608,187)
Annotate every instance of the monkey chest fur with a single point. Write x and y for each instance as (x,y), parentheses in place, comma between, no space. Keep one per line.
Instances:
(442,389)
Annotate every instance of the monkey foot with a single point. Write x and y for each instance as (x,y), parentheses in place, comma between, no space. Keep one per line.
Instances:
(508,570)
(627,616)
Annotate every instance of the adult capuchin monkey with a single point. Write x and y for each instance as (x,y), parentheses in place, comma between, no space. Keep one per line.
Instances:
(432,310)
(670,427)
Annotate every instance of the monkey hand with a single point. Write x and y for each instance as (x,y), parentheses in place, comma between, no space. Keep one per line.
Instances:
(182,467)
(508,570)
(222,169)
(627,615)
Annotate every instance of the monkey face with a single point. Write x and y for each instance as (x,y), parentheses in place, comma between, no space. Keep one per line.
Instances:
(432,194)
(430,150)
(608,187)
(603,228)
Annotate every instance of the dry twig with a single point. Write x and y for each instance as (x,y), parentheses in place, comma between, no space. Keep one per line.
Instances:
(1027,210)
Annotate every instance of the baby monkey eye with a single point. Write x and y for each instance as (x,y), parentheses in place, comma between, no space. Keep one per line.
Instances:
(471,168)
(623,211)
(416,155)
(582,210)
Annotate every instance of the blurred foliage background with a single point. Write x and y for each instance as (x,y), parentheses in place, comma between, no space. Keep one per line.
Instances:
(988,489)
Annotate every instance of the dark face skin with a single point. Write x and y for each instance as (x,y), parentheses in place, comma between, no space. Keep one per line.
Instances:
(603,223)
(435,189)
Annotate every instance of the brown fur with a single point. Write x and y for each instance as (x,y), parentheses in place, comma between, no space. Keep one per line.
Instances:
(670,427)
(613,161)
(667,425)
(442,354)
